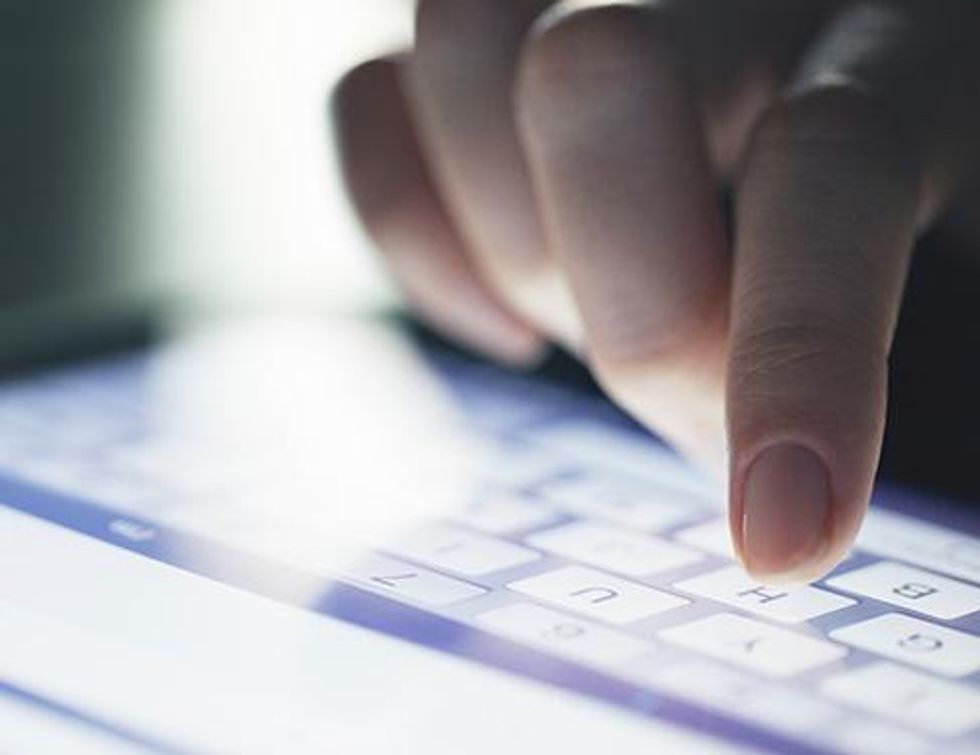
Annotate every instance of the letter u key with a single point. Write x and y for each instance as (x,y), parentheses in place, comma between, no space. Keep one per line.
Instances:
(601,594)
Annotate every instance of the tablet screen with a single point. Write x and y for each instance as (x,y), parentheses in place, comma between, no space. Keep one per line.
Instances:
(339,471)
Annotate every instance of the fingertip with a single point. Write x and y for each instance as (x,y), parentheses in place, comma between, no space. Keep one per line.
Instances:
(511,344)
(468,314)
(783,525)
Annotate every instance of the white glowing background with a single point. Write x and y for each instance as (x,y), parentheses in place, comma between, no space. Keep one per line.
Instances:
(249,210)
(334,427)
(251,219)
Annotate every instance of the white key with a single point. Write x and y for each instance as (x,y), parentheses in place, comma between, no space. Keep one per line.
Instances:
(596,594)
(916,642)
(934,705)
(892,535)
(613,549)
(408,581)
(753,645)
(456,550)
(733,587)
(771,706)
(564,635)
(907,587)
(713,537)
(506,514)
(634,504)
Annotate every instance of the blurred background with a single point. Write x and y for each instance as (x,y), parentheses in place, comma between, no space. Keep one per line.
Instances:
(163,161)
(174,154)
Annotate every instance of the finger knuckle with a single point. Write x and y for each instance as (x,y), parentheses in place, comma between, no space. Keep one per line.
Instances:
(831,117)
(788,354)
(464,40)
(434,19)
(575,52)
(456,44)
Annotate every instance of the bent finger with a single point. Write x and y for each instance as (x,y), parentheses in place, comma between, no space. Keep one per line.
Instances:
(394,195)
(462,85)
(628,198)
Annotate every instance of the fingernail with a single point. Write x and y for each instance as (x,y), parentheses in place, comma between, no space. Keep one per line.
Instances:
(786,502)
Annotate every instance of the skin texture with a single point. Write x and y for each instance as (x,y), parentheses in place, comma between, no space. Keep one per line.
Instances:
(539,172)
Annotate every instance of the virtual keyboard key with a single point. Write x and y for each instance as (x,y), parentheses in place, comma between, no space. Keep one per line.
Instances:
(598,595)
(562,634)
(733,587)
(456,550)
(616,550)
(919,643)
(751,644)
(914,589)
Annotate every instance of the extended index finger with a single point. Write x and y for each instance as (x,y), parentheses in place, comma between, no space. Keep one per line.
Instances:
(839,176)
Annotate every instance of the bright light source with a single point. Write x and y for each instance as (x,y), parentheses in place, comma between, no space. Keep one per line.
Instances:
(249,202)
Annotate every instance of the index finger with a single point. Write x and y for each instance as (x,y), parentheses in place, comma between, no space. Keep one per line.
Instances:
(828,207)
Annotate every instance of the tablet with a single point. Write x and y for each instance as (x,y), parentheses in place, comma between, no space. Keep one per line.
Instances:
(296,535)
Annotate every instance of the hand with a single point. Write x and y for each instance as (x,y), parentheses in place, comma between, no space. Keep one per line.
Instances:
(537,172)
